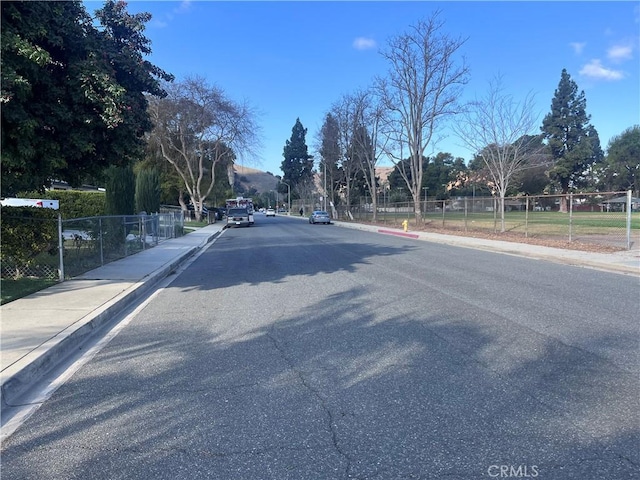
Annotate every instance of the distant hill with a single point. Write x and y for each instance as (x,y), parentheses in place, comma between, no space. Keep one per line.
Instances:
(265,182)
(250,177)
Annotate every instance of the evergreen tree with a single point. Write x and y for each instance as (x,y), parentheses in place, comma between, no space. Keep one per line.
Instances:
(297,165)
(120,191)
(573,143)
(147,196)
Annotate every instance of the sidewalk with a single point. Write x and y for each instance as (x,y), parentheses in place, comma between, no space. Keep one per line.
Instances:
(39,331)
(627,261)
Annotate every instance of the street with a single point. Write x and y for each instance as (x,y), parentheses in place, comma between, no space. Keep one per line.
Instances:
(297,351)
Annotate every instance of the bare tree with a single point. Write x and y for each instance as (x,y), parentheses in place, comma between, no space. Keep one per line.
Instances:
(498,128)
(344,113)
(421,91)
(197,127)
(327,145)
(368,114)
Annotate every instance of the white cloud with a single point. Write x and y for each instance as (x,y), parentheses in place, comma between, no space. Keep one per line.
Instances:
(158,23)
(595,70)
(163,22)
(363,43)
(578,47)
(184,6)
(620,52)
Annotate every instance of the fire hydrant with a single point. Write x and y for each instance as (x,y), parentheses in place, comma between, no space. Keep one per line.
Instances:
(405,225)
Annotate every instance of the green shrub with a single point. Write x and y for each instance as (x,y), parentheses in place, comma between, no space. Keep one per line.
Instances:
(74,203)
(26,232)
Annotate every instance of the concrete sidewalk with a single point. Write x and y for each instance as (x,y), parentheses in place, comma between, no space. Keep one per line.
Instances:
(37,332)
(627,261)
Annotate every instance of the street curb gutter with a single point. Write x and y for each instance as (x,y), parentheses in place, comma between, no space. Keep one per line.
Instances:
(45,358)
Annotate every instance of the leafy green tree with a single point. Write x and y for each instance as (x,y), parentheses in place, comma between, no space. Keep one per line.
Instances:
(147,195)
(221,188)
(440,174)
(621,169)
(396,179)
(123,47)
(120,191)
(297,165)
(70,105)
(573,142)
(39,129)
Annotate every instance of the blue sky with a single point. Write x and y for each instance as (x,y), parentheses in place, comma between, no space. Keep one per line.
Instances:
(295,59)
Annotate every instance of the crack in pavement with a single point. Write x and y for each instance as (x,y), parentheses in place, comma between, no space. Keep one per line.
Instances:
(314,391)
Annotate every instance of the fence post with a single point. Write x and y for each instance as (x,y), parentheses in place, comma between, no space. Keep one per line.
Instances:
(100,235)
(495,213)
(124,235)
(465,214)
(628,219)
(143,231)
(570,217)
(60,249)
(526,217)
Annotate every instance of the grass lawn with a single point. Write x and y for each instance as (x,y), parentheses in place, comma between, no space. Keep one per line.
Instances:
(14,289)
(194,225)
(543,221)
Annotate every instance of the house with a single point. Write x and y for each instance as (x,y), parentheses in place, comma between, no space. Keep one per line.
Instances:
(619,204)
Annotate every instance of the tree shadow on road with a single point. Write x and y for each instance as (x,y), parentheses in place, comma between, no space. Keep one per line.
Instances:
(342,386)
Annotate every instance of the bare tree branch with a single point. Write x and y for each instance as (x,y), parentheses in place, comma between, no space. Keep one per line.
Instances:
(196,128)
(500,130)
(422,89)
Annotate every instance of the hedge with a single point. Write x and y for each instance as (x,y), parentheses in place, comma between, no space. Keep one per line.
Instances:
(74,203)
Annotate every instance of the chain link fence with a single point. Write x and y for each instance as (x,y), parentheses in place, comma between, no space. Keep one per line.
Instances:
(609,219)
(87,243)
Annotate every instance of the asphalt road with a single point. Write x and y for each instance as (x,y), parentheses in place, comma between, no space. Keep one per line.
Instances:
(297,351)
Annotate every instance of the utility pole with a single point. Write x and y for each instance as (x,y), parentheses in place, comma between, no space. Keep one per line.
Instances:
(288,197)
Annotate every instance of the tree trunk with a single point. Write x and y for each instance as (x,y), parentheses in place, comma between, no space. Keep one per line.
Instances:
(416,208)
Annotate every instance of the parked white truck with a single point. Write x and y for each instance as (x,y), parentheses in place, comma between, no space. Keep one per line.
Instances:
(241,202)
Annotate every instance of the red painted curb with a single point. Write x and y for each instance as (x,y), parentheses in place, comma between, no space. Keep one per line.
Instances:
(401,234)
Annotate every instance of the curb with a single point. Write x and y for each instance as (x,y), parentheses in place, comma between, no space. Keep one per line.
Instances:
(45,358)
(400,234)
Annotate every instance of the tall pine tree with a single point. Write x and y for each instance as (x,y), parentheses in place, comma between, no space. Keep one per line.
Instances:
(297,164)
(573,142)
(120,191)
(148,191)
